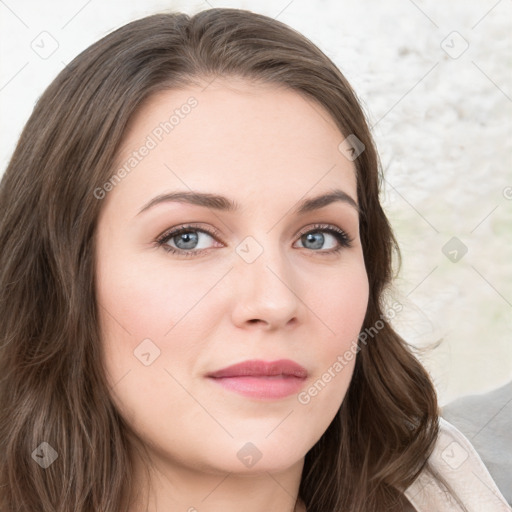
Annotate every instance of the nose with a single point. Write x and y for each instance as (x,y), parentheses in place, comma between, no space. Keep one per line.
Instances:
(265,292)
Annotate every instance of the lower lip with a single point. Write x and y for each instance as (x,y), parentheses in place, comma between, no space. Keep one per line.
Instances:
(262,387)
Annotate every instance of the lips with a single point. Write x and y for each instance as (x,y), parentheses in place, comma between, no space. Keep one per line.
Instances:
(257,368)
(262,380)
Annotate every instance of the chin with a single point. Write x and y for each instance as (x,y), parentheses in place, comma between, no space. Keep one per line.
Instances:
(263,467)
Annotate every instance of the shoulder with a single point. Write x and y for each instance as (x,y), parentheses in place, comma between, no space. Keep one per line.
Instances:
(485,420)
(455,478)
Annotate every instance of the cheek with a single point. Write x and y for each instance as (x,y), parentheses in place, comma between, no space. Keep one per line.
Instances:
(152,319)
(146,297)
(340,301)
(148,339)
(340,305)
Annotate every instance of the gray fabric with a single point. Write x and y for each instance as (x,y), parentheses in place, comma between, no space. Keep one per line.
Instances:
(486,420)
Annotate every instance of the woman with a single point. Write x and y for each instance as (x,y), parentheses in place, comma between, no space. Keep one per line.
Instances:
(194,261)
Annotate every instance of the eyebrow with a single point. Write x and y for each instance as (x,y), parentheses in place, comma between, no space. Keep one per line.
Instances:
(222,203)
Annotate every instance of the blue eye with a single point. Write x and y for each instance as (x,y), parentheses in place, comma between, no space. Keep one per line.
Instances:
(317,238)
(193,241)
(185,240)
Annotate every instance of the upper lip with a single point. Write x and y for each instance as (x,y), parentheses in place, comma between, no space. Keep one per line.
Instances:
(258,368)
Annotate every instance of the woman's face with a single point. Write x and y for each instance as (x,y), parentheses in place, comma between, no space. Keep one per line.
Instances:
(261,274)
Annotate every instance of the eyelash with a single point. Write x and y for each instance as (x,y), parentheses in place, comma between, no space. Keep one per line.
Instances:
(344,240)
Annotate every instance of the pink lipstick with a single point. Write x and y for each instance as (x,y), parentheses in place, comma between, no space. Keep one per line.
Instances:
(261,379)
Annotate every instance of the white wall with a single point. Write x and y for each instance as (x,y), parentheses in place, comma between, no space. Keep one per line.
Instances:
(441,114)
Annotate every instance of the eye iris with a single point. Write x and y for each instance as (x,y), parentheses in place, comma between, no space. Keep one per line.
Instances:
(316,238)
(189,238)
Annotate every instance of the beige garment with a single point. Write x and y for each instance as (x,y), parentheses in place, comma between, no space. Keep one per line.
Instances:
(455,459)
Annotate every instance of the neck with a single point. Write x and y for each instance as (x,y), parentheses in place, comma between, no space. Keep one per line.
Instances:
(170,487)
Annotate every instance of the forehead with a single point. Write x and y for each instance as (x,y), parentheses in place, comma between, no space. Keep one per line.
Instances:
(233,136)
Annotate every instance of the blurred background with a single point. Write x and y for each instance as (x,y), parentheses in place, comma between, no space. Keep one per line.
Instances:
(435,81)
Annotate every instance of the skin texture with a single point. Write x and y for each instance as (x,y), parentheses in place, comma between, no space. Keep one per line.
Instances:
(267,148)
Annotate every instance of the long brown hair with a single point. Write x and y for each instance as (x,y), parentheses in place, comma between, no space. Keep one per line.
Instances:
(53,387)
